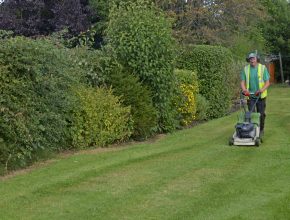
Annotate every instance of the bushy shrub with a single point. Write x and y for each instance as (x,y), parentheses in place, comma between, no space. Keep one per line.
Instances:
(136,95)
(186,97)
(101,69)
(140,36)
(213,67)
(99,119)
(35,78)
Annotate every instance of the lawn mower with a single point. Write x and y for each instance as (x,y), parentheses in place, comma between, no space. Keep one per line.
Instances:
(247,131)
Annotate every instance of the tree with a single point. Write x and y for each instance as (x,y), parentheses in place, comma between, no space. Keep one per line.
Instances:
(276,30)
(42,17)
(217,22)
(140,36)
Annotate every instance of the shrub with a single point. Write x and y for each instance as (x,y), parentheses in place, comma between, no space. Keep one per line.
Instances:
(213,67)
(140,36)
(134,94)
(99,118)
(186,100)
(101,69)
(35,78)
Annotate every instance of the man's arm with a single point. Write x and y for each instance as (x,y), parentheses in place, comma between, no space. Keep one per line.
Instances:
(243,86)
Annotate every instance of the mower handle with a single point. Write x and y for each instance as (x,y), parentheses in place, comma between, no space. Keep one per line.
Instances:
(251,94)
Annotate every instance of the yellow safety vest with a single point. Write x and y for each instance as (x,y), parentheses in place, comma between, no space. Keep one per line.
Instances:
(261,69)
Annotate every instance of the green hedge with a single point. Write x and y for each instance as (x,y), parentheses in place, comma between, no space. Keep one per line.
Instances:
(213,65)
(35,99)
(140,36)
(40,109)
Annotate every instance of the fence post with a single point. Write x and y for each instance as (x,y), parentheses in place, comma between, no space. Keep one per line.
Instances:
(281,68)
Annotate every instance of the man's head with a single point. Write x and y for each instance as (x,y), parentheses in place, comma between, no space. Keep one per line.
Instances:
(253,58)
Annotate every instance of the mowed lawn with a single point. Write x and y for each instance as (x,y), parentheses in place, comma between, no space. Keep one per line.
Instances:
(190,174)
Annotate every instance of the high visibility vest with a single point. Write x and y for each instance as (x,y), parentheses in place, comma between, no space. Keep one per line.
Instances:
(261,69)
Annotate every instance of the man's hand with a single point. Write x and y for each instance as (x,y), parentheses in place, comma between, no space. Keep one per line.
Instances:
(246,93)
(258,92)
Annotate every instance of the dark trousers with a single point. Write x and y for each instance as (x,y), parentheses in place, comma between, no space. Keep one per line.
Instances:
(260,107)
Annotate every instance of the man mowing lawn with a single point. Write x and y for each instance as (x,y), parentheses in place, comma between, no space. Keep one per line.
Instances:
(255,80)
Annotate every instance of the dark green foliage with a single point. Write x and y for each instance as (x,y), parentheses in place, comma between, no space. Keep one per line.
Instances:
(134,94)
(202,106)
(214,68)
(100,11)
(140,36)
(35,99)
(5,34)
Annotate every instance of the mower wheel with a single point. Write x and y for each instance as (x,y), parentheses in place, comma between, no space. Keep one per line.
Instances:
(257,142)
(231,141)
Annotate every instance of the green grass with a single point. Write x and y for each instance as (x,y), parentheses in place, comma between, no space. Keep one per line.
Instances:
(191,174)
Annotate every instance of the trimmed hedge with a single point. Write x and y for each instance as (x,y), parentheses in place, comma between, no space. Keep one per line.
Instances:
(35,99)
(213,65)
(40,109)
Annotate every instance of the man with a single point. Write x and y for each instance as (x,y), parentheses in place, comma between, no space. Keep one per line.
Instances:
(255,80)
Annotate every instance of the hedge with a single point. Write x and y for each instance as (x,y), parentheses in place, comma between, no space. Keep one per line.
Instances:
(40,109)
(213,65)
(35,99)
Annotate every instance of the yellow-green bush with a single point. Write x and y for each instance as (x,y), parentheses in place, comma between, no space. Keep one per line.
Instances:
(99,119)
(185,101)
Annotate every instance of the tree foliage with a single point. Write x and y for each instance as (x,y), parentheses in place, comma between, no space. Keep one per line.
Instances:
(140,36)
(276,29)
(230,23)
(42,17)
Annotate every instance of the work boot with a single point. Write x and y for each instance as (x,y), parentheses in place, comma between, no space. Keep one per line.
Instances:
(262,136)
